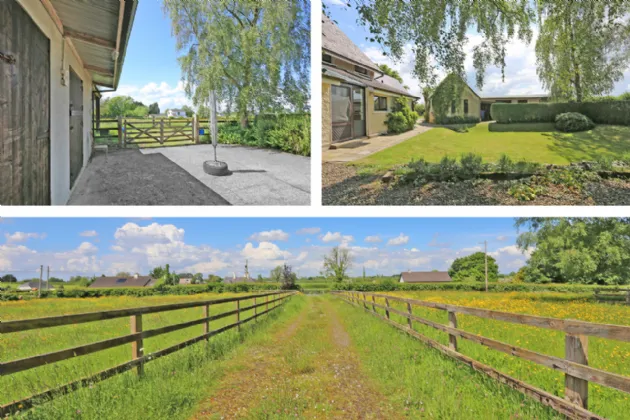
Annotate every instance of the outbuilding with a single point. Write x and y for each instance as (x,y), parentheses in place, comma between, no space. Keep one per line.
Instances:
(56,59)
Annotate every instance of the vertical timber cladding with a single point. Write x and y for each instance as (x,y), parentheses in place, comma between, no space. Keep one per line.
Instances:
(24,109)
(76,126)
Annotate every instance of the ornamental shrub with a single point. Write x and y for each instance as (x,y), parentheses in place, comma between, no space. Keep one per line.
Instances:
(402,119)
(571,122)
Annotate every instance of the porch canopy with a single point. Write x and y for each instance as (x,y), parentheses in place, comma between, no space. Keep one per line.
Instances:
(98,32)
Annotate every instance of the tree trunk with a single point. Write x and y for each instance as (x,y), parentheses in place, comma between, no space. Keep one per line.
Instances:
(245,119)
(577,79)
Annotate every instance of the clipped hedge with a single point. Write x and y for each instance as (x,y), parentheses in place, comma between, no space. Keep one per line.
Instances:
(469,287)
(613,112)
(150,291)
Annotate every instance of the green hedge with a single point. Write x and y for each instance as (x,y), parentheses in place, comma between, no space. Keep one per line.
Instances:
(287,132)
(469,287)
(614,112)
(149,291)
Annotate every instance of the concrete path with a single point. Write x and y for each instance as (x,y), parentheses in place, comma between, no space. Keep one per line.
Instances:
(358,149)
(259,176)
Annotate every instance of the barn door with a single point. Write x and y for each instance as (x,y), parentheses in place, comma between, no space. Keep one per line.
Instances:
(24,109)
(76,126)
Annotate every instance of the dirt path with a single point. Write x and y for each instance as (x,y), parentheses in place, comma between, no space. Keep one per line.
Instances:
(306,370)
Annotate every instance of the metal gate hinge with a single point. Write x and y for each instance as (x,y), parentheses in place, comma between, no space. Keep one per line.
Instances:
(7,58)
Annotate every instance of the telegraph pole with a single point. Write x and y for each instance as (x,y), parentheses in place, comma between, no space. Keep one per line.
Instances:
(41,274)
(48,279)
(485,250)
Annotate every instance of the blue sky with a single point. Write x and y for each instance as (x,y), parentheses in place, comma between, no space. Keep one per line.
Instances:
(221,245)
(151,72)
(520,76)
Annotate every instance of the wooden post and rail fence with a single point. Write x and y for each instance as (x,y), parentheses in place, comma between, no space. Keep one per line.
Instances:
(124,132)
(574,365)
(135,338)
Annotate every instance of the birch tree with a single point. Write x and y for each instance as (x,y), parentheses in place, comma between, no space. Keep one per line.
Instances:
(255,55)
(583,47)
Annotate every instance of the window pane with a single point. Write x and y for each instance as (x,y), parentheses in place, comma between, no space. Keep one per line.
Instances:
(340,104)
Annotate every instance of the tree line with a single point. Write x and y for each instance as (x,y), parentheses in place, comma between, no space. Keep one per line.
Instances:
(126,106)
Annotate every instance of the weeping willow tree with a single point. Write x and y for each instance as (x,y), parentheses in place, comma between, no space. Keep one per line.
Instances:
(255,55)
(583,47)
(436,31)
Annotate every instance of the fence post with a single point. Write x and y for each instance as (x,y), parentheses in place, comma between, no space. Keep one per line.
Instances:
(162,131)
(255,311)
(364,301)
(387,310)
(206,326)
(409,317)
(576,350)
(452,322)
(373,302)
(196,129)
(120,132)
(238,314)
(628,298)
(136,347)
(266,302)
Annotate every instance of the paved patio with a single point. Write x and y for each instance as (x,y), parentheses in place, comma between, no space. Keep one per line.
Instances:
(258,176)
(175,176)
(357,149)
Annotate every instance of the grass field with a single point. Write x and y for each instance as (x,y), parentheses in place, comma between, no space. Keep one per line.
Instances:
(29,343)
(530,142)
(609,355)
(317,357)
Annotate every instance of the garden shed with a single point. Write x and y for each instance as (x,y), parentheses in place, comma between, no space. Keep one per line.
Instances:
(55,57)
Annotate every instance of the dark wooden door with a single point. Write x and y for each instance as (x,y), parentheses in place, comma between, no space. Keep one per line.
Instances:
(76,126)
(24,109)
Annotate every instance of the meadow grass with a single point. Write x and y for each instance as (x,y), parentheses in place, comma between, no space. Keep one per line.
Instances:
(530,142)
(426,383)
(609,355)
(125,387)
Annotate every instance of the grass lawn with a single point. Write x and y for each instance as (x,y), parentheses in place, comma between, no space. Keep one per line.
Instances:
(530,142)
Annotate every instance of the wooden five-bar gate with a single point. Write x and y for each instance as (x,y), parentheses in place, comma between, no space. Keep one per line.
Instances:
(263,303)
(146,132)
(574,365)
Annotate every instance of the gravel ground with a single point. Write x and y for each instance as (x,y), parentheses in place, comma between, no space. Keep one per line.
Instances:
(343,186)
(127,177)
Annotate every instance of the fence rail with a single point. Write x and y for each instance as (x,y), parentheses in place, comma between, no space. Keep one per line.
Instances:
(575,364)
(136,337)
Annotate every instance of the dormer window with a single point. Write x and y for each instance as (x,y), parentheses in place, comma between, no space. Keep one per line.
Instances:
(361,70)
(327,58)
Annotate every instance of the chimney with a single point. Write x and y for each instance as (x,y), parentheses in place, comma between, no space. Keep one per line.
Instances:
(135,276)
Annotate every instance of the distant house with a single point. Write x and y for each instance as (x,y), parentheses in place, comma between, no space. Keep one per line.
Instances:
(425,277)
(185,280)
(356,94)
(470,104)
(175,113)
(31,285)
(133,281)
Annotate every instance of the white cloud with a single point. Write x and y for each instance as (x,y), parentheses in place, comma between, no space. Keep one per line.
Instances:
(401,239)
(309,231)
(23,236)
(164,94)
(502,238)
(89,233)
(337,237)
(336,2)
(265,251)
(373,239)
(272,235)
